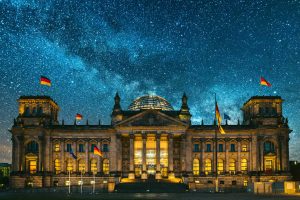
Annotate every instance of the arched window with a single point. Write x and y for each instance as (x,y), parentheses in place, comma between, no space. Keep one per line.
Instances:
(57,166)
(207,166)
(94,166)
(40,110)
(56,147)
(81,165)
(232,166)
(32,147)
(196,167)
(70,165)
(34,111)
(220,166)
(244,147)
(269,147)
(106,166)
(244,165)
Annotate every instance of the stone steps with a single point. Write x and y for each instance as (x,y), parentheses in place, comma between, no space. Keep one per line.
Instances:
(148,186)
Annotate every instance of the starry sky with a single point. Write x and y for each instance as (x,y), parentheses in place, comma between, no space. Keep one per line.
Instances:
(91,49)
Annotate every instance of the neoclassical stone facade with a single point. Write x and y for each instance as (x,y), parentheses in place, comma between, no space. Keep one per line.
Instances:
(149,140)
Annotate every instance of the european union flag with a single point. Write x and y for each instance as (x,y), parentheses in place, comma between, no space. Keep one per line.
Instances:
(226,117)
(72,154)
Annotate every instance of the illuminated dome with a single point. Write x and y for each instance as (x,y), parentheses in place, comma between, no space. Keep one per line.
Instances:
(150,102)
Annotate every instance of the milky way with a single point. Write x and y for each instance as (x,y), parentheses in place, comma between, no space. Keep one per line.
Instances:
(92,49)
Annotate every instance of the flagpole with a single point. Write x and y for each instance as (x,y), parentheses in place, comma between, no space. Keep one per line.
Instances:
(69,181)
(81,183)
(94,183)
(216,153)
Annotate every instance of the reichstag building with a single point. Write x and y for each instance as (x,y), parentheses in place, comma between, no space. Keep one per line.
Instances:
(149,140)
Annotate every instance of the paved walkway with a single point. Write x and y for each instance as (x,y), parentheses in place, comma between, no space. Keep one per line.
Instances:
(144,196)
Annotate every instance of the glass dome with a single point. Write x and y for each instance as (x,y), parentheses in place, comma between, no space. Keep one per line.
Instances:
(150,102)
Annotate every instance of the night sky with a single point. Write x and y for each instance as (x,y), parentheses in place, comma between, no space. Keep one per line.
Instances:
(92,49)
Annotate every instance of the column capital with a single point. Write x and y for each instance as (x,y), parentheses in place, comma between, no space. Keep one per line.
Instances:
(157,136)
(131,135)
(170,136)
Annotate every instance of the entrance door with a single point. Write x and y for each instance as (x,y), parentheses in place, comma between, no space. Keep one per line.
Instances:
(151,169)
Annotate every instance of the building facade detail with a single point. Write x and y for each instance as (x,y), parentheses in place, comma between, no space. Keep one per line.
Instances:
(149,139)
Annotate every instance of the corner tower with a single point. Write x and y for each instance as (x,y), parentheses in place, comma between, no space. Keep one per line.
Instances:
(264,110)
(37,110)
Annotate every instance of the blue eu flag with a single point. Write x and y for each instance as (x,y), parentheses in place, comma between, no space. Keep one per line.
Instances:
(72,154)
(226,117)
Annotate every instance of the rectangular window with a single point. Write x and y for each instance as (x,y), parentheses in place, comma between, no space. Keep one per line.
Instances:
(81,148)
(196,147)
(208,147)
(92,147)
(221,182)
(69,147)
(220,147)
(232,147)
(233,182)
(105,147)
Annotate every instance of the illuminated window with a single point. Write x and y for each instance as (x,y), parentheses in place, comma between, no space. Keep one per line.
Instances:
(81,148)
(94,165)
(106,166)
(57,166)
(268,165)
(81,165)
(57,147)
(32,166)
(245,183)
(220,166)
(164,154)
(244,147)
(232,166)
(138,147)
(207,166)
(70,165)
(244,165)
(196,166)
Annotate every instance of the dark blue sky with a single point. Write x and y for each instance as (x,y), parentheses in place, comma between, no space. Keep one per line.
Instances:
(92,49)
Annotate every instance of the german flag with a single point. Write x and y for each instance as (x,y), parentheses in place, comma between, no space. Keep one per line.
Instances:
(219,119)
(218,115)
(97,151)
(78,116)
(45,81)
(264,82)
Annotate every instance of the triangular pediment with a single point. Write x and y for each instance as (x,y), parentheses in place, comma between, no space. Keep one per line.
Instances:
(151,118)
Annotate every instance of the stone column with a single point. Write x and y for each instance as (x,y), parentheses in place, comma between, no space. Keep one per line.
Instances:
(41,153)
(144,173)
(47,150)
(185,150)
(15,154)
(188,157)
(62,156)
(170,153)
(250,163)
(157,153)
(87,157)
(131,174)
(239,155)
(202,163)
(254,153)
(74,148)
(99,160)
(227,155)
(144,136)
(280,141)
